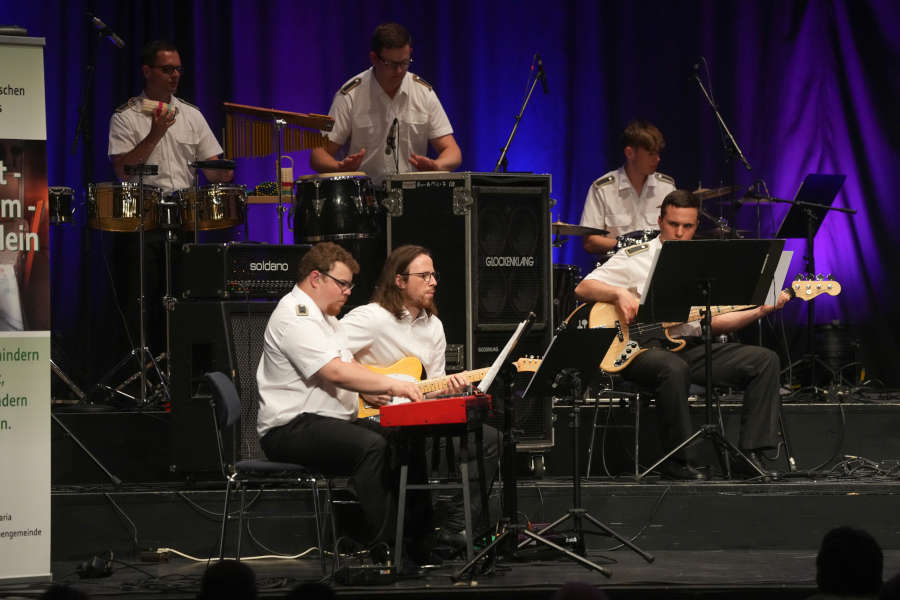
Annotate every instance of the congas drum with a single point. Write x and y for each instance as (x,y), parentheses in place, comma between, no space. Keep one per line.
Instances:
(114,206)
(334,206)
(169,211)
(565,278)
(62,204)
(219,206)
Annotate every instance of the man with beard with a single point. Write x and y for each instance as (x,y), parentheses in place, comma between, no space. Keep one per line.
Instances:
(308,385)
(402,321)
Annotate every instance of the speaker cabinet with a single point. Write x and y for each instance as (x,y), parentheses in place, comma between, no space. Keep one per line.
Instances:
(489,235)
(208,336)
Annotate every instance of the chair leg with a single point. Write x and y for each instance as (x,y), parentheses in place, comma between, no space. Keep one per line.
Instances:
(590,450)
(224,519)
(243,490)
(315,494)
(334,539)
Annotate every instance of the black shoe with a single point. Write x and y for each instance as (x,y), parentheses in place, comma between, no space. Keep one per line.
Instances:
(740,467)
(677,470)
(449,537)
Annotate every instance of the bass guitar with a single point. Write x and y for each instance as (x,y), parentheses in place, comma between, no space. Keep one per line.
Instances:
(631,339)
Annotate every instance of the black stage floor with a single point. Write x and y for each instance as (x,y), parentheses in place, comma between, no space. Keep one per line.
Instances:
(674,574)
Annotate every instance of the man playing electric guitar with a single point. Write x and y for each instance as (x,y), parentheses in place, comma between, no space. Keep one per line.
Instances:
(670,374)
(402,321)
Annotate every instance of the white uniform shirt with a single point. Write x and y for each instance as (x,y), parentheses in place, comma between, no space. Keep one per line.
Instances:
(376,337)
(364,113)
(300,340)
(629,268)
(189,139)
(613,204)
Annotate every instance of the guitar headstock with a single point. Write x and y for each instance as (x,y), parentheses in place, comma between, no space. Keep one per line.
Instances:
(527,363)
(807,286)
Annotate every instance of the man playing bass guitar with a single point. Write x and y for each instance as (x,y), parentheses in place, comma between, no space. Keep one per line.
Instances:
(670,374)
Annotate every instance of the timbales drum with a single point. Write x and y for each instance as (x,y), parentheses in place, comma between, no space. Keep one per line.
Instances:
(114,206)
(219,206)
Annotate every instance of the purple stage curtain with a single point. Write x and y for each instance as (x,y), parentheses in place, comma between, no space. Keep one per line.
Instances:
(806,87)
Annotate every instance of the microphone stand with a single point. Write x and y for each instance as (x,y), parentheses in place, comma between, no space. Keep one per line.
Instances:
(503,161)
(732,148)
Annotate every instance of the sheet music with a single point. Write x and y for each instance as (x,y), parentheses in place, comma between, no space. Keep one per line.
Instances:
(501,358)
(784,262)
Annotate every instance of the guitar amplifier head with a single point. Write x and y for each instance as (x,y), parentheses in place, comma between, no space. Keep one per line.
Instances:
(238,270)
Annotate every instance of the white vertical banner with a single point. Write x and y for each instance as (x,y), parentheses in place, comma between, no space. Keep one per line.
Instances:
(24,315)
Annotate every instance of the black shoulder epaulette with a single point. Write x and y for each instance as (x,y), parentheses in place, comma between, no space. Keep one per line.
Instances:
(349,87)
(418,79)
(604,180)
(664,177)
(633,250)
(123,107)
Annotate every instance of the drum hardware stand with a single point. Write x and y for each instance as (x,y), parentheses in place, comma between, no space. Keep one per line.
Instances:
(278,124)
(142,353)
(503,161)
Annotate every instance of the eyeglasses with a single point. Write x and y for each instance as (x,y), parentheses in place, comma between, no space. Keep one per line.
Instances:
(169,69)
(394,64)
(427,276)
(345,286)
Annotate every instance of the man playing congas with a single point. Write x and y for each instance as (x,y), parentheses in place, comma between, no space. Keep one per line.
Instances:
(389,116)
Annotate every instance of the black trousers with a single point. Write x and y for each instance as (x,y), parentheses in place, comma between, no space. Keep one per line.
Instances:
(362,450)
(670,375)
(451,516)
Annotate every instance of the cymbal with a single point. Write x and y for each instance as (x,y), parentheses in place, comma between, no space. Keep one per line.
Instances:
(747,200)
(560,228)
(709,194)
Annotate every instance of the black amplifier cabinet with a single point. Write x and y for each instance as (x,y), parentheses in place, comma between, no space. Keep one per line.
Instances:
(489,234)
(238,270)
(208,336)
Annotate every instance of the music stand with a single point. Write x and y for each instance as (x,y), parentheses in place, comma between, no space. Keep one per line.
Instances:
(809,208)
(573,354)
(708,273)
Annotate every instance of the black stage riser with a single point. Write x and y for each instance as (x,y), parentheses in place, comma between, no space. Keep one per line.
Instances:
(684,516)
(138,447)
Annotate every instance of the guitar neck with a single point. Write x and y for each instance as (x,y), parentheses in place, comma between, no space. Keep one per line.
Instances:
(697,311)
(439,383)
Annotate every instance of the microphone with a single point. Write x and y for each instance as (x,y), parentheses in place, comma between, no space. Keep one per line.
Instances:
(106,32)
(542,75)
(392,137)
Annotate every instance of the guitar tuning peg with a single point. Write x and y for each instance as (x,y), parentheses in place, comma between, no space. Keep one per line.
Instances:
(820,277)
(829,277)
(798,277)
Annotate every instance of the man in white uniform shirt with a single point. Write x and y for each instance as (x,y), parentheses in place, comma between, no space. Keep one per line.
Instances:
(367,106)
(628,199)
(169,138)
(402,321)
(308,384)
(621,280)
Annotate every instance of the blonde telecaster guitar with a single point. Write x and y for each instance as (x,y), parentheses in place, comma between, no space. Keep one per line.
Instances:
(410,369)
(629,339)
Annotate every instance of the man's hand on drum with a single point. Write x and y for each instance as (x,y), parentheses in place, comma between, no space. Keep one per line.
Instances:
(351,162)
(161,121)
(423,163)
